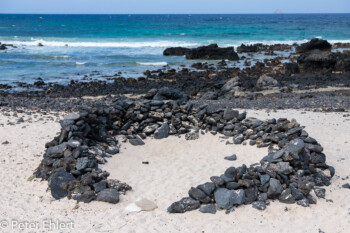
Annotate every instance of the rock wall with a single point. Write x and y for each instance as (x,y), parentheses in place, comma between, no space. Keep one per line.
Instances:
(294,166)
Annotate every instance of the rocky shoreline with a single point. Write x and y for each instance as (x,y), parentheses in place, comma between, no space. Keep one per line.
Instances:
(192,102)
(315,64)
(315,77)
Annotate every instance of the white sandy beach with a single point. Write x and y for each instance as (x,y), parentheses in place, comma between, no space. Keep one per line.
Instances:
(174,166)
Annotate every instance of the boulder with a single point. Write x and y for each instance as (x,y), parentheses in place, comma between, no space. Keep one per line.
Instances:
(56,151)
(275,188)
(320,192)
(176,51)
(305,186)
(248,48)
(108,195)
(317,59)
(100,186)
(265,82)
(264,179)
(296,193)
(259,205)
(120,186)
(226,198)
(151,93)
(149,129)
(293,148)
(231,84)
(230,114)
(230,172)
(166,93)
(193,135)
(232,185)
(86,197)
(291,68)
(231,158)
(212,52)
(284,168)
(343,62)
(210,95)
(303,202)
(209,208)
(208,188)
(250,195)
(136,141)
(162,132)
(56,181)
(238,139)
(82,163)
(313,44)
(287,197)
(199,195)
(184,205)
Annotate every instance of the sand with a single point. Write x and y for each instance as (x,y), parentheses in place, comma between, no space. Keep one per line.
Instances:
(174,166)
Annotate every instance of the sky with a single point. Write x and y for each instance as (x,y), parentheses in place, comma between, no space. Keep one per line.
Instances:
(173,6)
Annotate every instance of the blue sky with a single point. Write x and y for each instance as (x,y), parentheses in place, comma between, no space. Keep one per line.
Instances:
(173,6)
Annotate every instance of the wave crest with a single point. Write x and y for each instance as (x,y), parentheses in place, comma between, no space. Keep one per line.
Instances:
(152,63)
(140,44)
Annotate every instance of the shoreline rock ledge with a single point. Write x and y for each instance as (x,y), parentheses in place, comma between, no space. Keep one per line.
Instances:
(210,52)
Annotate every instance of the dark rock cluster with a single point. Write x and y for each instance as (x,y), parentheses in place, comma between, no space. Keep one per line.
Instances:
(294,166)
(254,48)
(210,52)
(5,46)
(70,162)
(312,45)
(204,81)
(314,60)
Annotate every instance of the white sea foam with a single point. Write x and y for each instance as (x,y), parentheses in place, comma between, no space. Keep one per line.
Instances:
(267,42)
(61,56)
(80,63)
(271,42)
(152,44)
(152,63)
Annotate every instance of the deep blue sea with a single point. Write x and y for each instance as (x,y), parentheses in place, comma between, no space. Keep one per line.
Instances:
(77,45)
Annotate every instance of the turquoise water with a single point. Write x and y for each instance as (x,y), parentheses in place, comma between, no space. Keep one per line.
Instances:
(77,45)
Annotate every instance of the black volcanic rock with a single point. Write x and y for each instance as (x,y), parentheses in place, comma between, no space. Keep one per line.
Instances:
(184,205)
(56,181)
(291,68)
(295,164)
(166,93)
(176,51)
(316,60)
(212,52)
(248,48)
(108,195)
(313,44)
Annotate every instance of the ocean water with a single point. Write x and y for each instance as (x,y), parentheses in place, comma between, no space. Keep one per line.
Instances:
(94,45)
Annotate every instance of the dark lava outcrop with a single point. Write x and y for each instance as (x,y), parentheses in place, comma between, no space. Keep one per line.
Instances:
(210,52)
(313,44)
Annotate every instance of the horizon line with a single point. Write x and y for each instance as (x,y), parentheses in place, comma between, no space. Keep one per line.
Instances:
(172,13)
